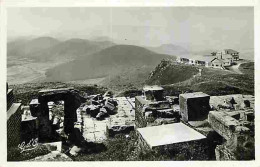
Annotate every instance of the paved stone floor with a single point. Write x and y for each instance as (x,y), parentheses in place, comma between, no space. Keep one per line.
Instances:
(95,130)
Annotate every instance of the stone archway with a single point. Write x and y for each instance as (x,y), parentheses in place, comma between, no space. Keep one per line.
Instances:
(72,100)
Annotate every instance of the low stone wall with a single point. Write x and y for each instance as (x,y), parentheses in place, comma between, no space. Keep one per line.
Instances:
(10,98)
(223,124)
(14,126)
(239,143)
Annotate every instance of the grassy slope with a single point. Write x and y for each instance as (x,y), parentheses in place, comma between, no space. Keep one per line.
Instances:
(177,78)
(170,73)
(216,82)
(247,68)
(129,79)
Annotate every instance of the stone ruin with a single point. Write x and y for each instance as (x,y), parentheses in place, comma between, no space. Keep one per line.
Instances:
(194,106)
(78,117)
(154,109)
(229,116)
(237,128)
(226,120)
(14,113)
(39,109)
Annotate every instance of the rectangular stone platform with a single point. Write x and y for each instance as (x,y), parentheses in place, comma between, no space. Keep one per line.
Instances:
(169,134)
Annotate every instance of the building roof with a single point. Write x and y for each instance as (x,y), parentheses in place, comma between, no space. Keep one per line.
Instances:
(194,95)
(169,134)
(227,56)
(231,51)
(218,60)
(226,60)
(154,87)
(207,58)
(221,60)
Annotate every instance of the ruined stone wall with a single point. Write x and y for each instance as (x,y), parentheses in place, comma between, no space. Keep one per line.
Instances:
(239,143)
(223,124)
(14,128)
(139,115)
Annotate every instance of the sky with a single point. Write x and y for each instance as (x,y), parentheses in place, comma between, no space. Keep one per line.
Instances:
(199,27)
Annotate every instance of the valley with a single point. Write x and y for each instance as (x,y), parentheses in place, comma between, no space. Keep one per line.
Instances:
(117,67)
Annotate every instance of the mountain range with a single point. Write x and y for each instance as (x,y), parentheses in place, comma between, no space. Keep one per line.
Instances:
(110,61)
(98,57)
(169,49)
(48,48)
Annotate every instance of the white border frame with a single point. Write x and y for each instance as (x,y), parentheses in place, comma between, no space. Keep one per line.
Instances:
(4,4)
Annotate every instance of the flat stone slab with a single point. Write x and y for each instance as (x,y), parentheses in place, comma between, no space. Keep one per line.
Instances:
(169,134)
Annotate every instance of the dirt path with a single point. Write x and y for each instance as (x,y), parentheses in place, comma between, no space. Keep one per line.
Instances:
(235,68)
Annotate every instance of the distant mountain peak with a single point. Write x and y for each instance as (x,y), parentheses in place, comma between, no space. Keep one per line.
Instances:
(101,38)
(170,49)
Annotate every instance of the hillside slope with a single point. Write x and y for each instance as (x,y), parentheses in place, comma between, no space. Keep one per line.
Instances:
(177,78)
(168,72)
(110,61)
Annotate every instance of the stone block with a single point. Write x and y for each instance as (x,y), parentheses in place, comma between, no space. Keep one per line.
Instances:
(194,106)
